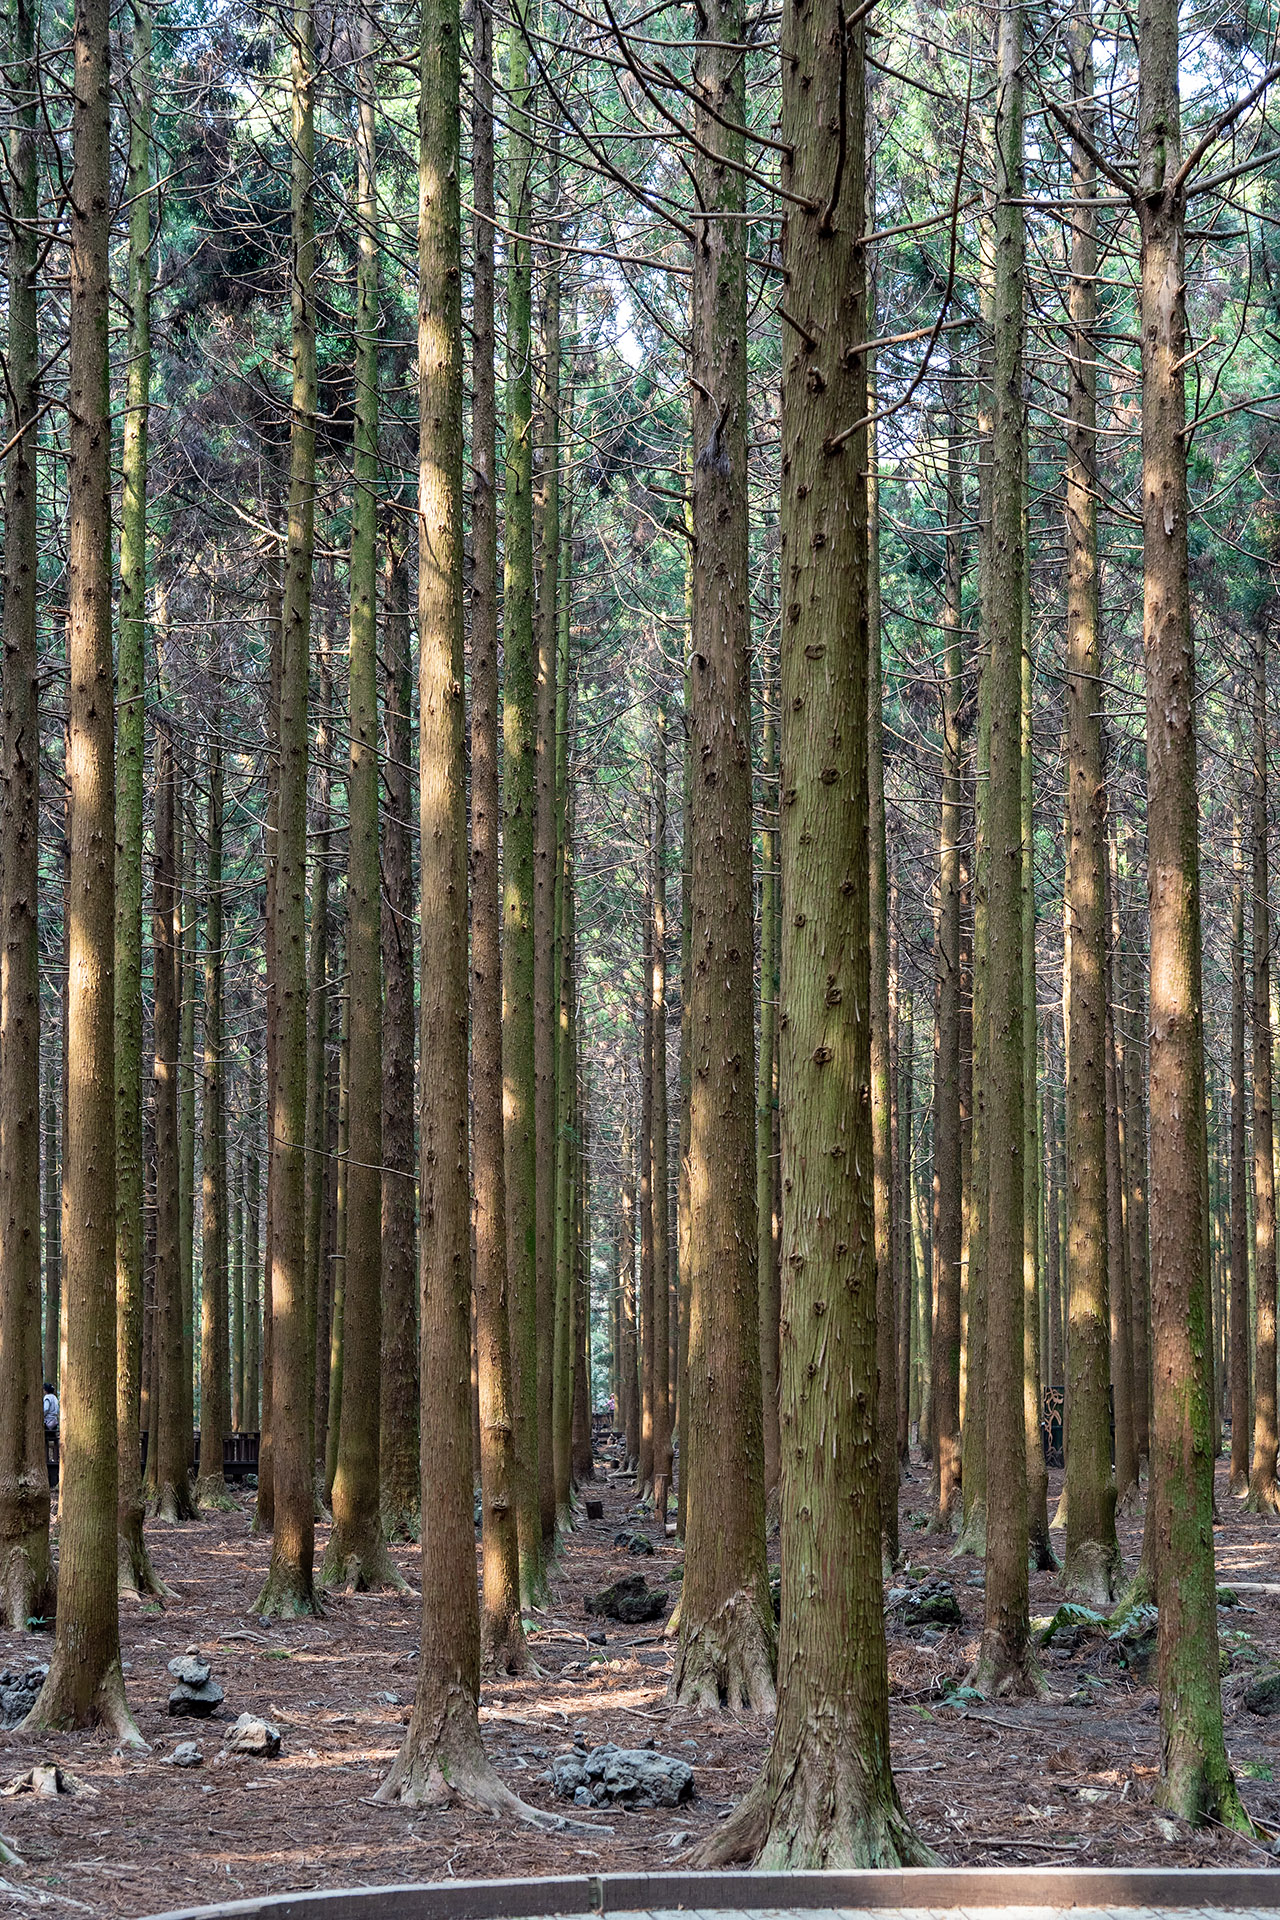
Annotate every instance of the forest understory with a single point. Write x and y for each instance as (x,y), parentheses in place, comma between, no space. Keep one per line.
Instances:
(1068,1779)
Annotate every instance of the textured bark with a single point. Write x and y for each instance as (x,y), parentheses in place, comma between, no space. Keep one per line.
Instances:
(948,1198)
(519,727)
(398,1446)
(1124,1446)
(53,1218)
(264,1513)
(1039,1544)
(725,1654)
(289,1584)
(215,1410)
(329,1339)
(26,1573)
(1136,1173)
(318,1170)
(1005,1660)
(566,1179)
(1092,1560)
(826,1797)
(252,1413)
(629,1399)
(85,1684)
(975,1079)
(644,1155)
(502,1634)
(235,1287)
(1241,1416)
(1263,1494)
(1195,1775)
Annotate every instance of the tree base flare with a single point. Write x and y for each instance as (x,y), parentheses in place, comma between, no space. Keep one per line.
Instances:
(973,1533)
(288,1593)
(1264,1493)
(443,1764)
(65,1705)
(361,1567)
(401,1523)
(1091,1572)
(1195,1789)
(211,1495)
(174,1504)
(1005,1672)
(503,1647)
(136,1576)
(726,1661)
(28,1586)
(822,1816)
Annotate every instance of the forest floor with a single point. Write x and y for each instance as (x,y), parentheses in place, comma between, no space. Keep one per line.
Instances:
(1067,1779)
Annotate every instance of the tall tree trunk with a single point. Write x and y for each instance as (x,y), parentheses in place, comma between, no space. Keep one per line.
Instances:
(1195,1776)
(519,724)
(658,1146)
(1241,1421)
(1005,1660)
(398,1446)
(767,1180)
(289,1584)
(1136,1175)
(881,1062)
(629,1397)
(170,1447)
(501,1631)
(1039,1545)
(644,1154)
(215,1411)
(85,1684)
(252,1257)
(1124,1446)
(948,1197)
(1092,1560)
(26,1573)
(826,1796)
(1264,1494)
(235,1287)
(566,1155)
(186,940)
(53,1218)
(264,1513)
(725,1655)
(317,1169)
(356,1554)
(545,845)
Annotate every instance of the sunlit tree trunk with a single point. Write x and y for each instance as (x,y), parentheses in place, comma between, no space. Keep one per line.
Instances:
(658,1139)
(1241,1418)
(215,1412)
(1264,1494)
(1195,1775)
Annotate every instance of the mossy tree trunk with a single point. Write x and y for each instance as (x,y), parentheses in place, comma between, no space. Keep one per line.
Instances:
(1264,1494)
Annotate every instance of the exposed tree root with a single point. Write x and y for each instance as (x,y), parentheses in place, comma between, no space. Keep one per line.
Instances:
(64,1705)
(820,1815)
(1195,1790)
(443,1764)
(504,1649)
(1041,1556)
(27,1582)
(174,1504)
(401,1523)
(9,1856)
(1091,1574)
(726,1661)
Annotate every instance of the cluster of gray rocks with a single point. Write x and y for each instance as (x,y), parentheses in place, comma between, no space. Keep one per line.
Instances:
(197,1696)
(18,1692)
(621,1776)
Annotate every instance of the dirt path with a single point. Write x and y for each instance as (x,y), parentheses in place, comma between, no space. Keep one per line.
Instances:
(1069,1779)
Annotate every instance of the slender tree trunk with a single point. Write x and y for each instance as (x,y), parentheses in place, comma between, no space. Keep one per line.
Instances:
(1195,1775)
(333,1259)
(566,1143)
(519,722)
(26,1573)
(85,1683)
(502,1634)
(317,1171)
(264,1515)
(725,1655)
(644,1154)
(1039,1544)
(1126,1458)
(1264,1494)
(1136,1162)
(826,1796)
(252,1259)
(1092,1560)
(1241,1420)
(215,1412)
(767,1196)
(53,1220)
(398,1447)
(545,848)
(288,1588)
(629,1397)
(236,1289)
(356,1554)
(1005,1660)
(658,1143)
(948,1198)
(881,1063)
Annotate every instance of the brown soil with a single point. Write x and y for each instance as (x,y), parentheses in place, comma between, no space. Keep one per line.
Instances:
(1064,1780)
